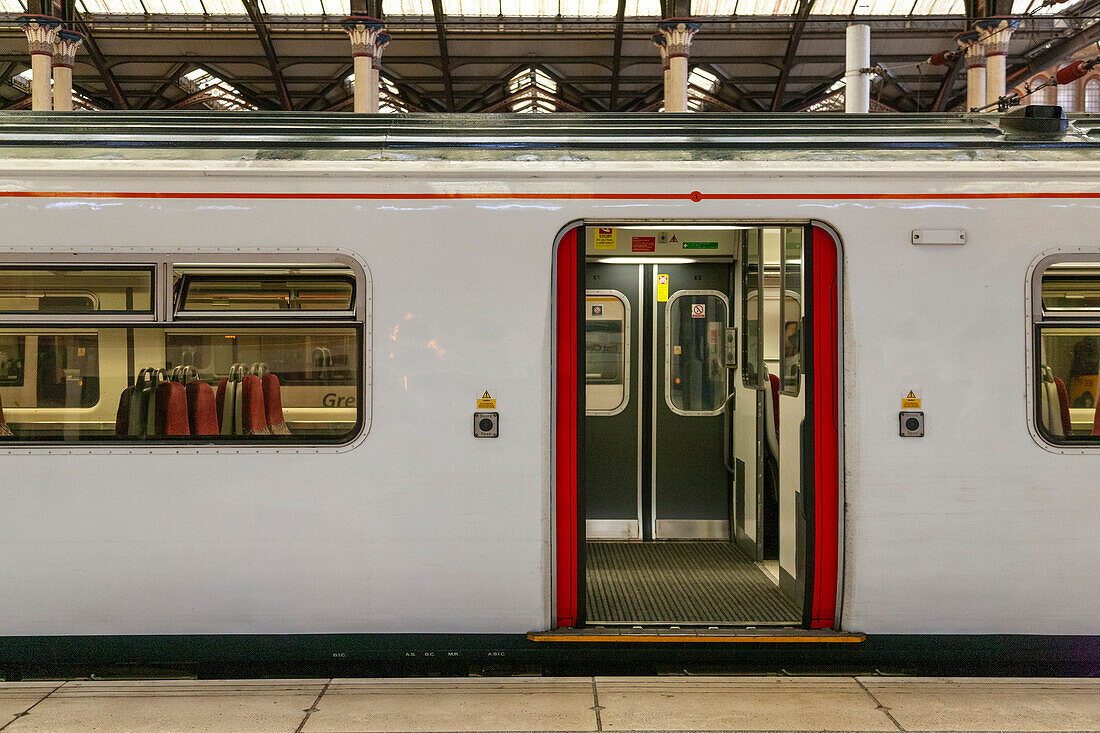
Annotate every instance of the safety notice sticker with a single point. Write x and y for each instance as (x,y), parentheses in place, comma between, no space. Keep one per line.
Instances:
(662,288)
(643,244)
(605,238)
(486,402)
(698,310)
(911,401)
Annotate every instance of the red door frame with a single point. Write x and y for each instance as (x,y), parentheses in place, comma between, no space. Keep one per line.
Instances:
(569,428)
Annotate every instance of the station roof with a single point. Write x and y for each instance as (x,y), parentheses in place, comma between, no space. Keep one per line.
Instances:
(525,55)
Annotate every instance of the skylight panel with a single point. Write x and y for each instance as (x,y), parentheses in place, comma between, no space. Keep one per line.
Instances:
(939,7)
(218,93)
(534,91)
(12,6)
(702,79)
(1025,7)
(519,8)
(162,7)
(407,7)
(293,7)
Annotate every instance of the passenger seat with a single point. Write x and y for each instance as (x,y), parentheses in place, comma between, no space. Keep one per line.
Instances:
(202,411)
(273,405)
(251,399)
(1063,406)
(170,414)
(5,431)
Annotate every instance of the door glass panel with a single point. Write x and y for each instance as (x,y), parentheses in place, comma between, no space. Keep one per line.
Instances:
(696,380)
(606,353)
(751,358)
(790,347)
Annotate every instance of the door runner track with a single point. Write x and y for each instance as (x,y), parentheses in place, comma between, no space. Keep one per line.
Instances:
(689,583)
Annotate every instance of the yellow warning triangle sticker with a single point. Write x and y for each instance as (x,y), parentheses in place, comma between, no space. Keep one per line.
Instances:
(909,396)
(487,397)
(674,239)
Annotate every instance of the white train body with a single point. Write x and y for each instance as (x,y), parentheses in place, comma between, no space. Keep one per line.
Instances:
(980,527)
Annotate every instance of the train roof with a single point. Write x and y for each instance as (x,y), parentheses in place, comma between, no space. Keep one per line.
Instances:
(529,137)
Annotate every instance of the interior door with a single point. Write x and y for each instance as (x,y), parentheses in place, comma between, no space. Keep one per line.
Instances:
(792,414)
(747,447)
(690,389)
(612,402)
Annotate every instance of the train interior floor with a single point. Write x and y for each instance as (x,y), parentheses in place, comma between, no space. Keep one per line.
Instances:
(675,703)
(680,583)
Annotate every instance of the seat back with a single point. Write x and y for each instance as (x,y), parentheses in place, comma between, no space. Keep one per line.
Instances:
(1063,405)
(170,410)
(5,431)
(251,400)
(202,412)
(771,414)
(122,415)
(273,405)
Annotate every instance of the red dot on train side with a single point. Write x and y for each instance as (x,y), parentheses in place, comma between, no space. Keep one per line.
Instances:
(696,196)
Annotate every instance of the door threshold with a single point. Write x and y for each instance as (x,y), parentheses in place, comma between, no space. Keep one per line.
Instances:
(657,634)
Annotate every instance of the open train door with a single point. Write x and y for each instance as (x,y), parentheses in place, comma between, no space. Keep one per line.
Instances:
(812,423)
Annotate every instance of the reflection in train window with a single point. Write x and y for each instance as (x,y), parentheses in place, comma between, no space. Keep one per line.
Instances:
(1071,286)
(75,290)
(695,381)
(1067,389)
(182,384)
(263,289)
(607,352)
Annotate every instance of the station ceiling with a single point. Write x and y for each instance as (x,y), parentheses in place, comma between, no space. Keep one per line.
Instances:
(526,55)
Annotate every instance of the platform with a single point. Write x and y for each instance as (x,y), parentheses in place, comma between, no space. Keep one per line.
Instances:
(675,703)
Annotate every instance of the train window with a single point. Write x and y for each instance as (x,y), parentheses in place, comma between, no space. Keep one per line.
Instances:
(76,290)
(790,314)
(182,384)
(263,289)
(253,354)
(607,352)
(1071,286)
(695,380)
(1067,352)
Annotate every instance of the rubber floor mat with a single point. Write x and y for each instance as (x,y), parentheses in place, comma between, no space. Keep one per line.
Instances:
(688,583)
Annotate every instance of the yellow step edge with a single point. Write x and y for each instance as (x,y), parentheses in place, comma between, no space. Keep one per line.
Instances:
(550,636)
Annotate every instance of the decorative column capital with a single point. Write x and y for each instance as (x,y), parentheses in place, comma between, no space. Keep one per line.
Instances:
(363,32)
(678,33)
(662,47)
(380,42)
(41,32)
(970,43)
(64,51)
(995,34)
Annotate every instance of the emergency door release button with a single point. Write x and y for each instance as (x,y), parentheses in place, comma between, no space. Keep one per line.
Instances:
(486,424)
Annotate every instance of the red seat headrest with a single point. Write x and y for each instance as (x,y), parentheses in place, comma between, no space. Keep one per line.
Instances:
(171,410)
(253,417)
(202,412)
(273,405)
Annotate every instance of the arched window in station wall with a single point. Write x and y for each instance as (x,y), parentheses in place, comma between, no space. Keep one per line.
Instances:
(1092,95)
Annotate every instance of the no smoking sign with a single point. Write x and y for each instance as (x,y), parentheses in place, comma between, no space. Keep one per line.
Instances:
(698,310)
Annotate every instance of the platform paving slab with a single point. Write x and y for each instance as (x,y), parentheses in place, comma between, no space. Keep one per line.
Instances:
(476,704)
(738,703)
(172,706)
(17,697)
(1002,704)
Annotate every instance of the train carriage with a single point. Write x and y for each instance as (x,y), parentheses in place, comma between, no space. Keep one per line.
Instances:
(329,387)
